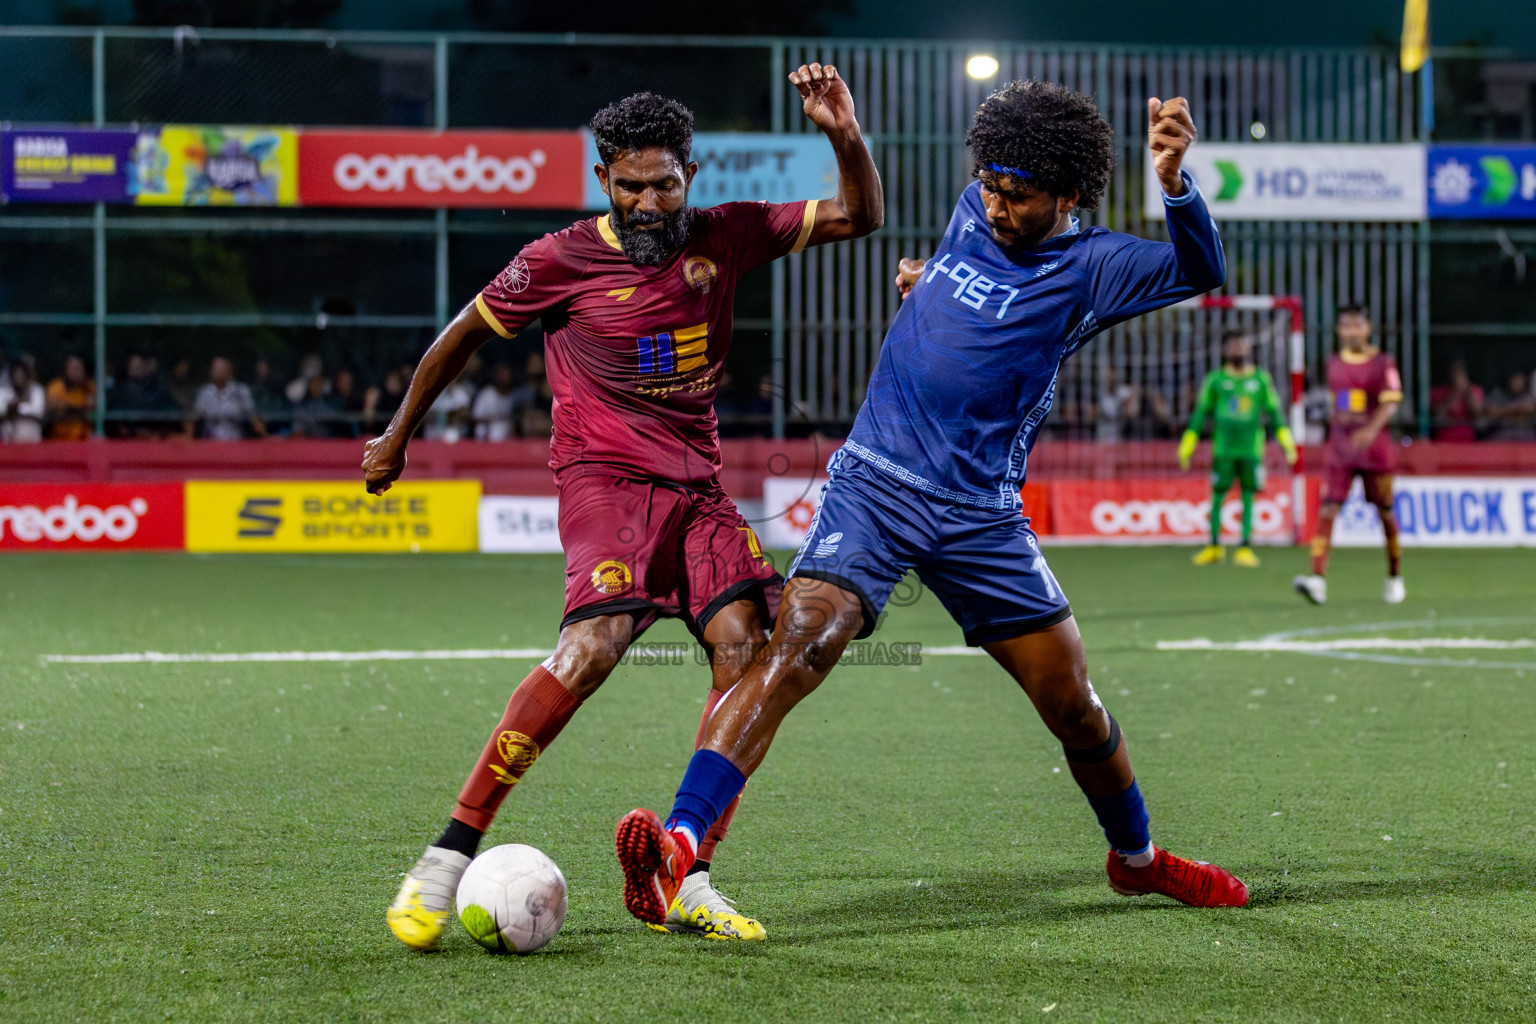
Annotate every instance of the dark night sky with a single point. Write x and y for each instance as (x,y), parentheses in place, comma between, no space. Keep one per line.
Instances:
(1500,23)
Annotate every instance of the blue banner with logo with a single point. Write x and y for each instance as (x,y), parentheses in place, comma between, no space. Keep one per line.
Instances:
(749,166)
(1482,182)
(65,165)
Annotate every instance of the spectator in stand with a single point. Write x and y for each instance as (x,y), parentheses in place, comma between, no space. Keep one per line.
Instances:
(1115,402)
(390,397)
(492,411)
(181,385)
(71,401)
(1148,415)
(318,413)
(224,406)
(23,404)
(310,368)
(533,402)
(271,402)
(1512,410)
(354,402)
(1457,406)
(142,397)
(448,418)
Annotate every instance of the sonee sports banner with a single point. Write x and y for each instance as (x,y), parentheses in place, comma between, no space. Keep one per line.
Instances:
(339,516)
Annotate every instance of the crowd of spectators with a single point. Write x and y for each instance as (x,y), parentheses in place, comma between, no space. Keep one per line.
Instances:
(497,402)
(488,403)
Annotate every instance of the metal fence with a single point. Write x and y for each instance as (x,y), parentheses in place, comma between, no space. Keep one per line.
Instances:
(816,325)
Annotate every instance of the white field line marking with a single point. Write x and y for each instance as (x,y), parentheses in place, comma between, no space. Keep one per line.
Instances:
(1373,643)
(466,654)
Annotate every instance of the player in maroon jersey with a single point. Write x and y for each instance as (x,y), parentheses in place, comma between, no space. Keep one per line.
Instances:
(1366,391)
(636,306)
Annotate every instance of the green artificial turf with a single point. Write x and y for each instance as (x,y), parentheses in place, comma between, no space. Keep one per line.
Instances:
(210,842)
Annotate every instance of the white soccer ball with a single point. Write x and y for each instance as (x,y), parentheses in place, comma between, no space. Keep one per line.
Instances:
(512,899)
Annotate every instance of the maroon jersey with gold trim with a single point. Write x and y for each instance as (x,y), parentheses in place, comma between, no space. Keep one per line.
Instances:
(1359,385)
(634,353)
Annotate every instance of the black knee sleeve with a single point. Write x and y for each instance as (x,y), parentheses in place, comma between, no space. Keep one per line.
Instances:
(1099,753)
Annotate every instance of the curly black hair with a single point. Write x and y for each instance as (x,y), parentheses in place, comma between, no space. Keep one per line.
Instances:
(643,121)
(1053,134)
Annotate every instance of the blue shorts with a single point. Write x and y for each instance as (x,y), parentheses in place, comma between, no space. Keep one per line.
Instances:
(985,566)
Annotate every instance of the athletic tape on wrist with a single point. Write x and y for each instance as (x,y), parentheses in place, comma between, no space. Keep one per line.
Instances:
(1099,753)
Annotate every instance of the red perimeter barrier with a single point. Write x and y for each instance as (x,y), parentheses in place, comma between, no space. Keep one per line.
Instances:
(521,467)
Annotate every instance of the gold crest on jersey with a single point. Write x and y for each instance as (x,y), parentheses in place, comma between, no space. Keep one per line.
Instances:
(700,273)
(612,577)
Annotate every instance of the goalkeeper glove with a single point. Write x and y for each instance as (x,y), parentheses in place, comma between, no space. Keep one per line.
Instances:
(1187,447)
(1287,445)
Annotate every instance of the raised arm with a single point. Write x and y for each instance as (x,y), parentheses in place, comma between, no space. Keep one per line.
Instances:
(859,207)
(384,456)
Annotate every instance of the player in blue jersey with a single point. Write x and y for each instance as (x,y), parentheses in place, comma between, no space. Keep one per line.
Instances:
(929,477)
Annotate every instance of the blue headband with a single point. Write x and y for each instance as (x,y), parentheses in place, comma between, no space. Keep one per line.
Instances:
(1010,171)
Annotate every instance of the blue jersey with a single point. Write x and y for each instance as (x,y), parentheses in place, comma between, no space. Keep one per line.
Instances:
(969,365)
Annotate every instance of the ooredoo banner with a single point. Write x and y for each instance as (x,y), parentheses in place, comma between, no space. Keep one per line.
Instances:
(269,515)
(1445,512)
(51,517)
(541,170)
(1164,510)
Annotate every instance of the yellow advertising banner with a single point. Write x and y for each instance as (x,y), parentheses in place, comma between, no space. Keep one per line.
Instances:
(192,165)
(294,516)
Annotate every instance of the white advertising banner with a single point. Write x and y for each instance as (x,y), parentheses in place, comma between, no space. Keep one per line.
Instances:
(789,504)
(519,525)
(1446,512)
(1303,181)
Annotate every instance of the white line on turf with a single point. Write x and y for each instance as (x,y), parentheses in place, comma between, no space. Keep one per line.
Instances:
(466,654)
(1376,648)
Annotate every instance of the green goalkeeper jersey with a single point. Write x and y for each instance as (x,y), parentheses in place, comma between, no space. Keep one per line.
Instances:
(1237,404)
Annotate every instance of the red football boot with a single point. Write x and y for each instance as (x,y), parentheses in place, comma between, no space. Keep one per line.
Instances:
(654,863)
(1194,882)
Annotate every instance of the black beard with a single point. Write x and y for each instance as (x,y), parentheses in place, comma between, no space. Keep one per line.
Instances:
(650,248)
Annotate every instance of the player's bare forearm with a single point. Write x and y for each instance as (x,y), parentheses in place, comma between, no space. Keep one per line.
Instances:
(859,207)
(384,456)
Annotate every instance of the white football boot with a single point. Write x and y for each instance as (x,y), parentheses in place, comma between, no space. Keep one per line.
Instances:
(1314,588)
(1394,592)
(420,913)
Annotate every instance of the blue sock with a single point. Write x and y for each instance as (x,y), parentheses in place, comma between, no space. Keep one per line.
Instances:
(709,785)
(1124,819)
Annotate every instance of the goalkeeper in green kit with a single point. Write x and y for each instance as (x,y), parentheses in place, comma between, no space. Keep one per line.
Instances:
(1236,398)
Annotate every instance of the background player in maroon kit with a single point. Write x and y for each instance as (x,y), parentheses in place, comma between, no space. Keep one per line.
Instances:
(636,306)
(1366,391)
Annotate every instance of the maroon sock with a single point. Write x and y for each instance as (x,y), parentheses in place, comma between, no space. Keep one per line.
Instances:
(538,710)
(1322,541)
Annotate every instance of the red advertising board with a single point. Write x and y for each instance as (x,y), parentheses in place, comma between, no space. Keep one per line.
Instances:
(51,517)
(1164,509)
(542,170)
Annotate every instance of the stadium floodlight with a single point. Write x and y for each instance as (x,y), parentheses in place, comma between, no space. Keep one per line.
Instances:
(1257,130)
(982,65)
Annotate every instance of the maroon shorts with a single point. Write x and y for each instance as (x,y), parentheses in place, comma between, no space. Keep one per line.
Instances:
(656,549)
(1337,477)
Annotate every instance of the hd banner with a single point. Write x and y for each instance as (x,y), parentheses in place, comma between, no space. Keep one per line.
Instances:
(1303,181)
(327,516)
(1445,512)
(1482,182)
(66,166)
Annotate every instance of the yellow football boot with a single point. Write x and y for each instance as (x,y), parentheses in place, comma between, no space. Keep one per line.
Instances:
(700,910)
(1210,555)
(424,905)
(1245,557)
